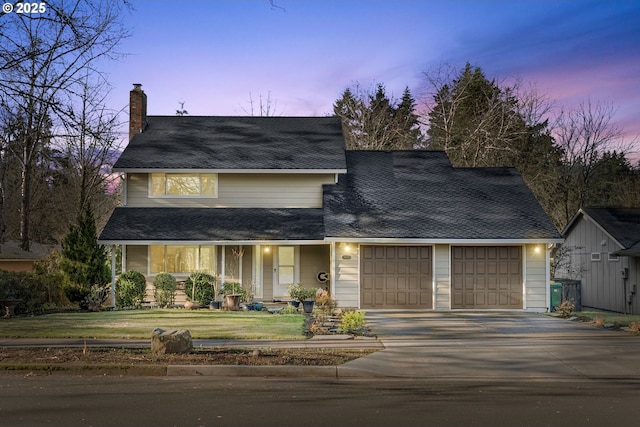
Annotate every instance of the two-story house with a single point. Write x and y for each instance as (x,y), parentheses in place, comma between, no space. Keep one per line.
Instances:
(279,200)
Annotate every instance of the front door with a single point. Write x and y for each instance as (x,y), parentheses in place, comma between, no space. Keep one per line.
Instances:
(286,271)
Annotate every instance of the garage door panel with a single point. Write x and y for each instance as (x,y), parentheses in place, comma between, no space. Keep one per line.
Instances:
(367,267)
(401,277)
(487,277)
(492,298)
(458,267)
(492,268)
(469,298)
(469,283)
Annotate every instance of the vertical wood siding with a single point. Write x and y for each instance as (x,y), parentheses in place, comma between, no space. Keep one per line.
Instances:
(602,284)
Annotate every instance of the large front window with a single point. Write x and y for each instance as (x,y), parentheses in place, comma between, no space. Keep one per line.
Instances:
(183,184)
(181,259)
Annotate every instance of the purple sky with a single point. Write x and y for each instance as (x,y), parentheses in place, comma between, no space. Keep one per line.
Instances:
(216,55)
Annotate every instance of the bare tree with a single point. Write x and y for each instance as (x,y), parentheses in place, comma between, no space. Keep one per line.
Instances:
(42,57)
(585,135)
(181,111)
(89,146)
(266,107)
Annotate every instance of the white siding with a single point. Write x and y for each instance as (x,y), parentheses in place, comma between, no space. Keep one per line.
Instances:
(346,276)
(442,277)
(241,190)
(535,277)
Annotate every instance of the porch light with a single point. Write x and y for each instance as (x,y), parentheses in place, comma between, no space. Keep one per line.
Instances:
(267,249)
(537,249)
(347,248)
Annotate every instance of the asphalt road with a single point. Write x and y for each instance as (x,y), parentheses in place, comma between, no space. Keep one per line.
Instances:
(437,369)
(66,400)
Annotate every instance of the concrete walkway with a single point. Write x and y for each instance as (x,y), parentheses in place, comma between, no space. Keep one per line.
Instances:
(440,345)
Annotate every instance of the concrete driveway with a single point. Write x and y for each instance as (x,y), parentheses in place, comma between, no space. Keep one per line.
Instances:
(495,345)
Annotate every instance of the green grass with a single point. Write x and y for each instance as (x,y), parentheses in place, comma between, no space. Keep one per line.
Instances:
(616,319)
(139,324)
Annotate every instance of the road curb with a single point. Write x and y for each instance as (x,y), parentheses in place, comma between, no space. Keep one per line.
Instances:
(252,371)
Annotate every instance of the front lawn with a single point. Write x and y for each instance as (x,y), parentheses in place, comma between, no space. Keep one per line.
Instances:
(139,324)
(616,319)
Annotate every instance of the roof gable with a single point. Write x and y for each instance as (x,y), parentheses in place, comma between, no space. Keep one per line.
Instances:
(236,143)
(622,224)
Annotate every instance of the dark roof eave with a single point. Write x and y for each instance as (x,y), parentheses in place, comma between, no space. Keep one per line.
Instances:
(266,171)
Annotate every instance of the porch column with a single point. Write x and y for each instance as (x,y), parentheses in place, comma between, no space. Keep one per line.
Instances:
(223,259)
(332,270)
(112,292)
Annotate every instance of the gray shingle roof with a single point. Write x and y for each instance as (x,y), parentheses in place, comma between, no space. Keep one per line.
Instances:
(623,224)
(195,142)
(418,194)
(212,224)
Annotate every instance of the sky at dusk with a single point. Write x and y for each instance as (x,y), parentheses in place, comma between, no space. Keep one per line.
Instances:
(216,55)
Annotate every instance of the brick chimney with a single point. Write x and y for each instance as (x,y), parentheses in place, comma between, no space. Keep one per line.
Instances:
(137,110)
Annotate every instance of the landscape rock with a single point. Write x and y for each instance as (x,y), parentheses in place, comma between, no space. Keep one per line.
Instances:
(174,341)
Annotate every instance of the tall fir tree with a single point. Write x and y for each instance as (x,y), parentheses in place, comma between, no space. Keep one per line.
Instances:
(84,260)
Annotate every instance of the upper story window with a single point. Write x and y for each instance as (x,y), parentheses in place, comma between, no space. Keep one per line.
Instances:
(184,185)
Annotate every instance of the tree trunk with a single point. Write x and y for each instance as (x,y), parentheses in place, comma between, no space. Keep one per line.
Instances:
(25,206)
(3,224)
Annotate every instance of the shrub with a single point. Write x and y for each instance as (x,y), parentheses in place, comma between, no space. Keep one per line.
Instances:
(565,308)
(201,288)
(298,292)
(325,303)
(289,309)
(49,270)
(35,291)
(96,297)
(165,289)
(233,288)
(351,321)
(295,290)
(130,289)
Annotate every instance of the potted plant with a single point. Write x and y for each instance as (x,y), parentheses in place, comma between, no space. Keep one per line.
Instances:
(233,293)
(308,296)
(296,291)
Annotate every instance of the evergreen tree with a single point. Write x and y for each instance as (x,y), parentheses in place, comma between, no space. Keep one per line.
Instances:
(373,121)
(407,122)
(84,260)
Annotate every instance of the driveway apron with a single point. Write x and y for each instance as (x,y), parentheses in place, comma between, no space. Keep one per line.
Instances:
(495,345)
